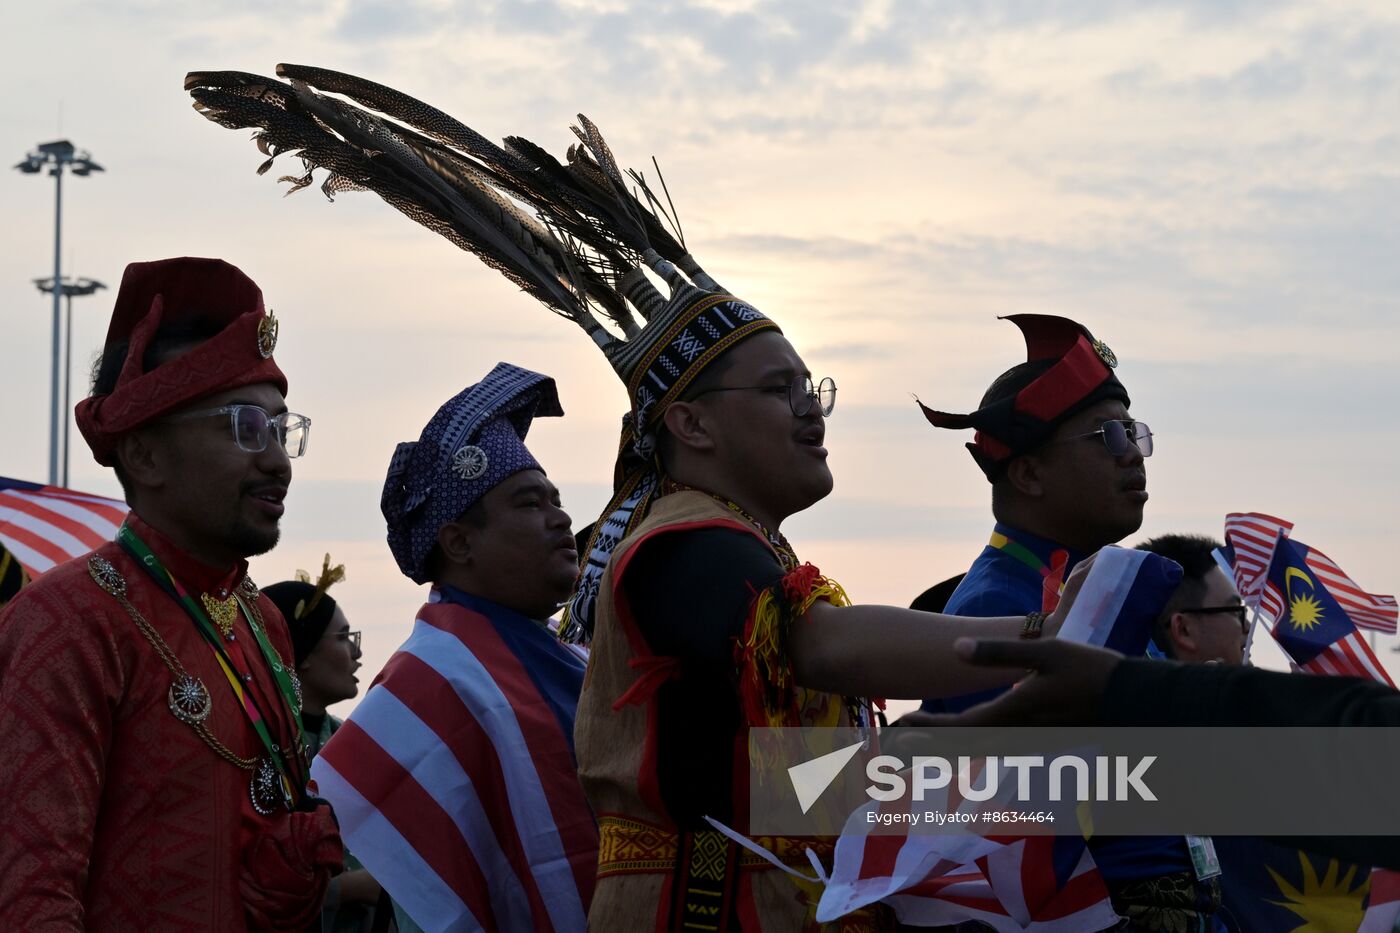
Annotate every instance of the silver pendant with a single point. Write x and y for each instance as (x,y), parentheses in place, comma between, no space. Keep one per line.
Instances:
(189,699)
(265,787)
(106,576)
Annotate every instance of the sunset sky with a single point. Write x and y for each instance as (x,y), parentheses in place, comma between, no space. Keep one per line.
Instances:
(1211,187)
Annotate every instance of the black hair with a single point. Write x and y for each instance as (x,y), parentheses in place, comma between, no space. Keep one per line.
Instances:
(1194,554)
(474,515)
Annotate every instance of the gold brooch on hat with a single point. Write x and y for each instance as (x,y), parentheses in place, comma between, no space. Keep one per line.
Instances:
(1109,358)
(267,334)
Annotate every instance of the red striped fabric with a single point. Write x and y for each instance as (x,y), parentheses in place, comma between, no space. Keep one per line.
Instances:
(419,818)
(1368,610)
(456,785)
(1253,536)
(546,743)
(1349,657)
(43,526)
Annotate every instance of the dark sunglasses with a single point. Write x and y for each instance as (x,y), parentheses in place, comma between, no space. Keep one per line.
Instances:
(1121,436)
(1238,611)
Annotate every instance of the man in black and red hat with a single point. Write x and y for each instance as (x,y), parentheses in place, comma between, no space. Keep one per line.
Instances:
(1065,461)
(154,765)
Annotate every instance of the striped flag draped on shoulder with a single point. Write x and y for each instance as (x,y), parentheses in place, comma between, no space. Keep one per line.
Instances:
(456,786)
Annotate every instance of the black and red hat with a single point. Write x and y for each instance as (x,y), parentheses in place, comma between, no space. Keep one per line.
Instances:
(1066,371)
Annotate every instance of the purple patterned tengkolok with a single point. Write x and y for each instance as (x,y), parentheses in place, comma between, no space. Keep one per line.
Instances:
(473,442)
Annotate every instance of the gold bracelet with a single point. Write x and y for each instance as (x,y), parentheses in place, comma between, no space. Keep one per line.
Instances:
(1035,621)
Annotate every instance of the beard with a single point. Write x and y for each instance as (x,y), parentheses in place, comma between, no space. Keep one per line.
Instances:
(249,541)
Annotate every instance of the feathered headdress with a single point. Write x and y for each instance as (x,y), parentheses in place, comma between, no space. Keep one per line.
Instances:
(580,236)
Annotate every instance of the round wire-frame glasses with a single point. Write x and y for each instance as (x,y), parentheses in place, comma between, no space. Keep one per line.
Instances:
(802,394)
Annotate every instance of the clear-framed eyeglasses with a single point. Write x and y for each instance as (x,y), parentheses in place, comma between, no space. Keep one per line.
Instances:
(1121,436)
(802,394)
(252,426)
(353,637)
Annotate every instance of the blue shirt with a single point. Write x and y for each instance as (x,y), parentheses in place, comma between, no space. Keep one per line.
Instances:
(1000,584)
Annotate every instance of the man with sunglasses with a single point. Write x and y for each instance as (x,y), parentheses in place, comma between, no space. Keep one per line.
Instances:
(1065,462)
(1205,620)
(155,766)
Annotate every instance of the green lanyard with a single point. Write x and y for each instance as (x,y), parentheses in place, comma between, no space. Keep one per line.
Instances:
(1052,575)
(286,761)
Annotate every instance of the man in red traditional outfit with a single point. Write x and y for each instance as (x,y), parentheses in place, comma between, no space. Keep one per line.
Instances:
(154,765)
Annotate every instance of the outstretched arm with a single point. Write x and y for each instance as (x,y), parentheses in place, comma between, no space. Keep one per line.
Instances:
(898,653)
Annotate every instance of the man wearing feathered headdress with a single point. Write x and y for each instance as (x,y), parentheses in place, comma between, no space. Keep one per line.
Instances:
(154,766)
(454,778)
(704,624)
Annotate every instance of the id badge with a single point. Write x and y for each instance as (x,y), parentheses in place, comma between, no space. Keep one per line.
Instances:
(1203,857)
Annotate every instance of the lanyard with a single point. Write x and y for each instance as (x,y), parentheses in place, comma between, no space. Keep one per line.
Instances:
(282,759)
(1052,574)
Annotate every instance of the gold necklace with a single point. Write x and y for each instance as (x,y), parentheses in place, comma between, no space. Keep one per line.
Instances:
(189,700)
(776,540)
(222,612)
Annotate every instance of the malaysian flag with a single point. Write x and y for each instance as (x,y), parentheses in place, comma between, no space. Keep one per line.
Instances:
(1310,623)
(46,525)
(454,779)
(1368,610)
(1250,539)
(1013,884)
(1041,883)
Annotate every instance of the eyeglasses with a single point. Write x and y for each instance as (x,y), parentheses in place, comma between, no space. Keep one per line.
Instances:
(352,637)
(802,393)
(1121,436)
(252,426)
(1239,611)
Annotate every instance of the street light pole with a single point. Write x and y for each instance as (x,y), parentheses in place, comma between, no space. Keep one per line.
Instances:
(57,173)
(69,288)
(56,156)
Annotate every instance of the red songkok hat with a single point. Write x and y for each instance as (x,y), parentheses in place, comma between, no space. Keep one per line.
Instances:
(1066,371)
(174,292)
